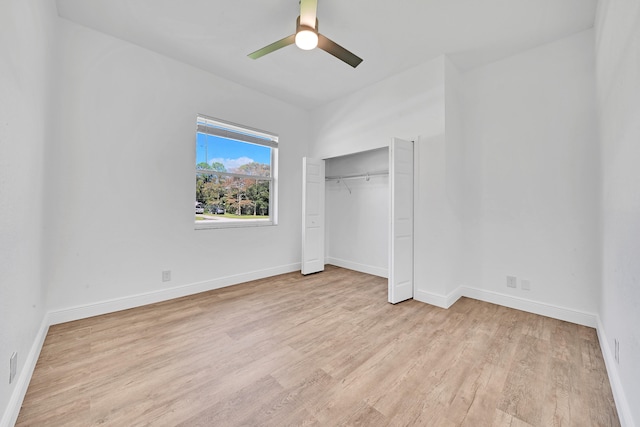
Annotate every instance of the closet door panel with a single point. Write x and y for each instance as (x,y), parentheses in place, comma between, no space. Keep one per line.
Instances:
(312,215)
(401,219)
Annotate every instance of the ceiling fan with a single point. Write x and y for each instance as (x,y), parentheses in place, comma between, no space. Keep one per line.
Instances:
(307,37)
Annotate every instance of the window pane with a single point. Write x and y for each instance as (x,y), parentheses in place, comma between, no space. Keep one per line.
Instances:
(227,155)
(235,198)
(234,177)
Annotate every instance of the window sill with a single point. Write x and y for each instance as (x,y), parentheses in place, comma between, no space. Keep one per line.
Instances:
(244,223)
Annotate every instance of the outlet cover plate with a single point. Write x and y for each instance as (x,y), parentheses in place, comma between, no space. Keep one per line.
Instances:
(512,281)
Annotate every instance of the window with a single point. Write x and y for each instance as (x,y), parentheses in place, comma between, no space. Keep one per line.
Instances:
(236,172)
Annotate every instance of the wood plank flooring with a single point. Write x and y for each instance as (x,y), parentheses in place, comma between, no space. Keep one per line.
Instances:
(322,350)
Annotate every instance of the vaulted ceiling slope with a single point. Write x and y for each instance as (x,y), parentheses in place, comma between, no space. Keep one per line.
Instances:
(390,36)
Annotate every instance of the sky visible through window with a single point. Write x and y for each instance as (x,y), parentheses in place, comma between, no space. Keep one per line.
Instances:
(232,154)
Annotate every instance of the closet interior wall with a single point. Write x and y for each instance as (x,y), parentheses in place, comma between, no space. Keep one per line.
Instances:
(357,211)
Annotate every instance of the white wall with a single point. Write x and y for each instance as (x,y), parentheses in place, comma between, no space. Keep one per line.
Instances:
(121,189)
(406,105)
(410,105)
(507,173)
(357,213)
(440,262)
(618,83)
(533,175)
(27,42)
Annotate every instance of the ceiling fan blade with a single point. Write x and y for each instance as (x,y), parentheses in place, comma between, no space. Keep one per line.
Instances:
(338,51)
(308,12)
(273,47)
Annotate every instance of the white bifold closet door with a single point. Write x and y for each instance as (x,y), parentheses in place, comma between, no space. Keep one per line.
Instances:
(312,215)
(401,220)
(400,224)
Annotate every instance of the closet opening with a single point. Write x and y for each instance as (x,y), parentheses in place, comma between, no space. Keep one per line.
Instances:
(357,213)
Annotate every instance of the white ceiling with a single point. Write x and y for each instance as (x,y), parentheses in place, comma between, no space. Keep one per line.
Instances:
(390,36)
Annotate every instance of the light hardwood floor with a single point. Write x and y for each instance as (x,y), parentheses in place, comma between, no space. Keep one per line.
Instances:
(325,349)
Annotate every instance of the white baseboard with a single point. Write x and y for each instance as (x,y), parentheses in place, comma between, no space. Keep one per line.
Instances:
(543,309)
(12,410)
(442,301)
(523,304)
(622,404)
(362,268)
(132,301)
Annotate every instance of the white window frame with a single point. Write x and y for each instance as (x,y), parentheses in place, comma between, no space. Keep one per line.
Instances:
(225,129)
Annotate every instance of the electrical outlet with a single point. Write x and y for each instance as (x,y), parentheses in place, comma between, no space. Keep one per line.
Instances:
(616,351)
(526,285)
(512,281)
(13,366)
(166,276)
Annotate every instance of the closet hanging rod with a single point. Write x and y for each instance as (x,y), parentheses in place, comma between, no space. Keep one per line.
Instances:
(357,176)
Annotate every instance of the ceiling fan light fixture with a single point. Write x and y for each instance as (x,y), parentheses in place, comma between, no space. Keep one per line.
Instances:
(306,39)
